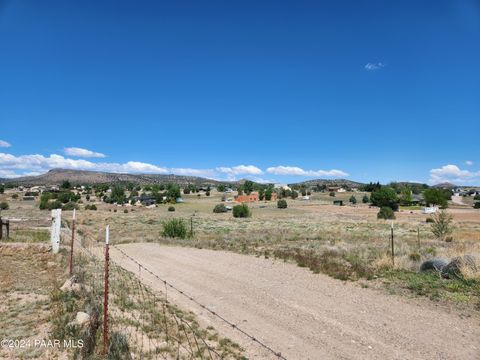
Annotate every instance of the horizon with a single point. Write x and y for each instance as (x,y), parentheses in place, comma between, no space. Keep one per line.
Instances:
(12,180)
(278,93)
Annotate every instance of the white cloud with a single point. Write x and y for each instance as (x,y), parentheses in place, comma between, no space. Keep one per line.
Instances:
(14,166)
(34,164)
(452,173)
(39,163)
(240,169)
(209,173)
(4,144)
(79,152)
(296,171)
(374,66)
(469,162)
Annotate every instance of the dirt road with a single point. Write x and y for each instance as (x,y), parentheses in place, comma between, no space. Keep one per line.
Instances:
(301,314)
(458,200)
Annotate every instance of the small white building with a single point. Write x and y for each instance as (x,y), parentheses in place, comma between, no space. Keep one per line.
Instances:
(430,210)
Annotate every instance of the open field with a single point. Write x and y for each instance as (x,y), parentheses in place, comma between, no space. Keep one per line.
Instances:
(344,242)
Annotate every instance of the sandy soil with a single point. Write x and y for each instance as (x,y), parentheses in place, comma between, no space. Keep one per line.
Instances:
(301,314)
(458,200)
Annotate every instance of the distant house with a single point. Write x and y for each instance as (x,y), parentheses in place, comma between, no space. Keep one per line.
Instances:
(147,200)
(336,189)
(417,199)
(252,197)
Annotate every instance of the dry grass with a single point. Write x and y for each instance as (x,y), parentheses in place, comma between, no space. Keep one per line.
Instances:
(347,242)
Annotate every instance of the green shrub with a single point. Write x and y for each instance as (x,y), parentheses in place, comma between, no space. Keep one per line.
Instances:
(241,211)
(125,211)
(476,197)
(365,199)
(386,213)
(477,205)
(332,194)
(442,225)
(175,228)
(50,205)
(429,220)
(353,199)
(414,256)
(70,206)
(171,208)
(91,207)
(220,208)
(282,204)
(3,206)
(15,196)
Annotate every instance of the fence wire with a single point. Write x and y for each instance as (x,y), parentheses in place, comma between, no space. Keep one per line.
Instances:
(142,323)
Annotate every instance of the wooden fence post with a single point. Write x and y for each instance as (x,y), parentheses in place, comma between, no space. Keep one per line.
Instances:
(71,243)
(393,249)
(105,299)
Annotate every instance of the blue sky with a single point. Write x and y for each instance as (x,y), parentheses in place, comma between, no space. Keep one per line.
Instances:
(269,90)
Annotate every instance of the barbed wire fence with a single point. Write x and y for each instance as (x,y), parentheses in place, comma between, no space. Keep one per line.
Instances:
(142,323)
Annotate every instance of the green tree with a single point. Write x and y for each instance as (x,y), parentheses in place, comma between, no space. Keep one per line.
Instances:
(282,204)
(406,196)
(2,188)
(4,205)
(173,192)
(385,196)
(221,187)
(66,185)
(353,199)
(365,199)
(118,195)
(248,187)
(268,194)
(437,197)
(261,193)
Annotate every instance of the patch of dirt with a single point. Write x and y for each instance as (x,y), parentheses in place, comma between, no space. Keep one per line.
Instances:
(27,275)
(301,314)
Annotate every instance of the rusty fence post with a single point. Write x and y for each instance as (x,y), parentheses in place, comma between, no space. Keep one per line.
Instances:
(71,243)
(393,248)
(105,299)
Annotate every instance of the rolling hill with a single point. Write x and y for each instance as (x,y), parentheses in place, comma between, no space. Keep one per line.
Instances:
(57,176)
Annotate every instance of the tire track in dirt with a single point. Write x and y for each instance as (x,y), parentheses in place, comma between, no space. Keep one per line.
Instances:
(301,314)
